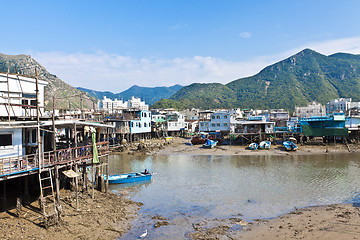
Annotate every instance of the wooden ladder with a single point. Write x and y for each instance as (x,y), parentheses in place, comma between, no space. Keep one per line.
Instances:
(47,199)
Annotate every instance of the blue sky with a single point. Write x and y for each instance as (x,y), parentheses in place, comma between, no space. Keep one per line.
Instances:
(112,45)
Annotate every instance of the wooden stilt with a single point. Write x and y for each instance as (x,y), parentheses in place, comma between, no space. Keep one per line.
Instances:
(4,196)
(92,180)
(57,185)
(84,177)
(26,189)
(76,188)
(107,174)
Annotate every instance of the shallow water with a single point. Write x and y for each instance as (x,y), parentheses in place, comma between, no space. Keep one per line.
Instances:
(187,189)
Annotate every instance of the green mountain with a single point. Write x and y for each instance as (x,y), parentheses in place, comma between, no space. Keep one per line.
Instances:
(296,81)
(148,94)
(65,94)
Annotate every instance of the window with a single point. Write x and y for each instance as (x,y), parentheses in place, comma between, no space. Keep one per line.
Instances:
(213,117)
(218,117)
(33,135)
(213,124)
(225,124)
(5,139)
(218,124)
(202,124)
(225,117)
(33,103)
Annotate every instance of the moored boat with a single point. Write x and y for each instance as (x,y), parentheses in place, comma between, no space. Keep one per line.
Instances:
(289,146)
(210,143)
(265,145)
(253,146)
(129,177)
(197,140)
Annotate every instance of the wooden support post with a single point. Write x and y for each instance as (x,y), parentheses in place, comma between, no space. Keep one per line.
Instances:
(54,129)
(4,196)
(84,177)
(26,188)
(57,184)
(76,188)
(92,180)
(107,174)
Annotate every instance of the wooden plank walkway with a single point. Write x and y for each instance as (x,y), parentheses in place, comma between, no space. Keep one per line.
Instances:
(12,167)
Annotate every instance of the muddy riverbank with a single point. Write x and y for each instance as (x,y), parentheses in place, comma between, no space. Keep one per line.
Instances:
(107,216)
(183,146)
(338,221)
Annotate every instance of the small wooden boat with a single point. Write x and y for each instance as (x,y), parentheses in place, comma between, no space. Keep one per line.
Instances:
(289,146)
(265,145)
(129,177)
(197,140)
(210,143)
(253,146)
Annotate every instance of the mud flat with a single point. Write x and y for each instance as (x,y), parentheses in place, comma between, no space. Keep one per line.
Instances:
(183,146)
(107,216)
(340,221)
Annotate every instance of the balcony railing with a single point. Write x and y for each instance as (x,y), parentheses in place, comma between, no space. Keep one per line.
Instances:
(15,165)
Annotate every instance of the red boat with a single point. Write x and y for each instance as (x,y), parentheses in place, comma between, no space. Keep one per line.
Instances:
(197,140)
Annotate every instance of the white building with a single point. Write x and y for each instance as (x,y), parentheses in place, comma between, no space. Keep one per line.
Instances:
(311,110)
(18,95)
(175,122)
(115,106)
(18,99)
(220,121)
(338,105)
(136,103)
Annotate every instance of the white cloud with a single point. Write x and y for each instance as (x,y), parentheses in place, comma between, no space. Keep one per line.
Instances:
(103,71)
(245,35)
(177,27)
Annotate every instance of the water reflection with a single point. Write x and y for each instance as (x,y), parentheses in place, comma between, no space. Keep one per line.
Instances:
(187,188)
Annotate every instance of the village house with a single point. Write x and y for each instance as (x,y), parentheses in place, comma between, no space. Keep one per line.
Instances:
(175,123)
(279,116)
(254,125)
(331,125)
(220,121)
(311,110)
(18,96)
(130,125)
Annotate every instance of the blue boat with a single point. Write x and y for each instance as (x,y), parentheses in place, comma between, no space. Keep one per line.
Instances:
(210,143)
(129,177)
(265,145)
(253,146)
(290,146)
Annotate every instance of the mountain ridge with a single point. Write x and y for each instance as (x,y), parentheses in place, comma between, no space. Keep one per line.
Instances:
(64,93)
(295,81)
(148,94)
